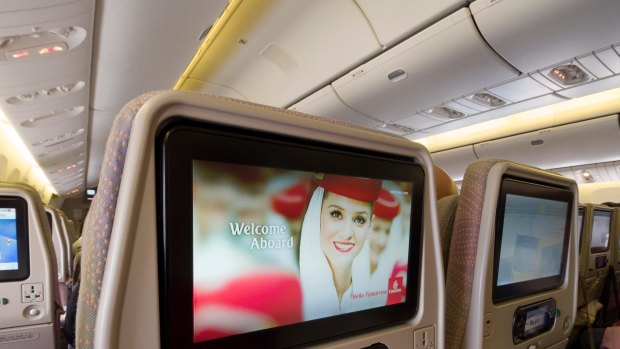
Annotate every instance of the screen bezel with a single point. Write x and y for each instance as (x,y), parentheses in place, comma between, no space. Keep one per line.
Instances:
(596,250)
(182,141)
(522,187)
(581,216)
(21,224)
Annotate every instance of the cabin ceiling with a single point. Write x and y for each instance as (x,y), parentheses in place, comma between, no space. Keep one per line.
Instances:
(459,64)
(101,55)
(415,69)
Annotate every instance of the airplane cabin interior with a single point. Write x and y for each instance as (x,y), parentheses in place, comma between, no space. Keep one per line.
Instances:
(342,174)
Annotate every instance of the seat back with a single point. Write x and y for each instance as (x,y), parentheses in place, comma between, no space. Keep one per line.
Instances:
(598,249)
(126,313)
(447,202)
(615,242)
(62,254)
(29,303)
(473,318)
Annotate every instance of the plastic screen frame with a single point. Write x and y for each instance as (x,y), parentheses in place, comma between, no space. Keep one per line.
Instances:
(181,141)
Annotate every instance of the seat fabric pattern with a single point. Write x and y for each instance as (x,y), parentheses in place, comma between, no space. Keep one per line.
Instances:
(99,222)
(463,251)
(446,212)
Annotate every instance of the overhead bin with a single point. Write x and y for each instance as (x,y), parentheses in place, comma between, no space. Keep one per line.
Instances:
(287,49)
(557,147)
(394,20)
(445,61)
(326,103)
(532,34)
(455,161)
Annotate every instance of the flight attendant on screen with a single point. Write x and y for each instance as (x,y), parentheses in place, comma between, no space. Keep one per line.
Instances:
(334,256)
(384,240)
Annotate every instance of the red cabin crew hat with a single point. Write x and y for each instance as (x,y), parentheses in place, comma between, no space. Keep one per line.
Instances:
(291,201)
(386,206)
(357,188)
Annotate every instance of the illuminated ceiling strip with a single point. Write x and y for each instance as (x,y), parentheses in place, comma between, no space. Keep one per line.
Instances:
(20,147)
(566,112)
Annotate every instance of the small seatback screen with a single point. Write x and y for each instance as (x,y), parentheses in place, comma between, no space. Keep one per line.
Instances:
(532,237)
(8,240)
(14,256)
(601,224)
(534,252)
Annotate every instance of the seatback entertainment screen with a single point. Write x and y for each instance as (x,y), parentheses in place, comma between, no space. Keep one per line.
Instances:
(8,240)
(14,248)
(281,241)
(532,235)
(293,246)
(601,225)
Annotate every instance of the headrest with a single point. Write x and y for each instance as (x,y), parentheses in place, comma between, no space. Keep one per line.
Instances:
(444,185)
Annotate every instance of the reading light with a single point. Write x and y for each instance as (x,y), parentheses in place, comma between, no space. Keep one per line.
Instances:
(51,49)
(19,54)
(586,175)
(568,74)
(487,99)
(447,113)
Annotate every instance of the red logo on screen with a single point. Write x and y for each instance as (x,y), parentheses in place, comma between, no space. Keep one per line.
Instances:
(395,290)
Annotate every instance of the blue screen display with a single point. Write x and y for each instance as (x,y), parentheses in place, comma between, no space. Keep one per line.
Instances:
(8,239)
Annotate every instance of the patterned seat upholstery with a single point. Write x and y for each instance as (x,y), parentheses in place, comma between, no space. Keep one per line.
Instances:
(446,212)
(447,202)
(99,221)
(462,250)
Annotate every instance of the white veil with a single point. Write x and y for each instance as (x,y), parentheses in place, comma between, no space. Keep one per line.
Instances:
(320,298)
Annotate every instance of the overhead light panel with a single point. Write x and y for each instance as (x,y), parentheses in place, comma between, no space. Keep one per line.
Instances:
(446,113)
(487,99)
(44,94)
(19,54)
(568,74)
(52,49)
(396,128)
(40,44)
(586,175)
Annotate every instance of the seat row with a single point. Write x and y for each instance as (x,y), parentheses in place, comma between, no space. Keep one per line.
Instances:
(221,223)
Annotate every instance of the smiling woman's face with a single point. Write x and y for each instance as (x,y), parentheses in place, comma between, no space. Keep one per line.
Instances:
(345,224)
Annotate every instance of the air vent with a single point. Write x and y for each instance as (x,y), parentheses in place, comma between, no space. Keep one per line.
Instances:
(568,74)
(446,113)
(487,99)
(53,117)
(62,149)
(49,142)
(44,94)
